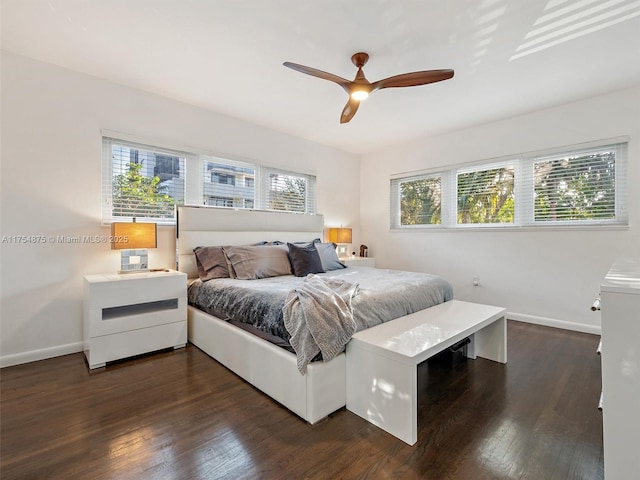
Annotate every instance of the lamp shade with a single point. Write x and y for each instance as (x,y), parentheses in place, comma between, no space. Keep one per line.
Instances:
(129,236)
(339,235)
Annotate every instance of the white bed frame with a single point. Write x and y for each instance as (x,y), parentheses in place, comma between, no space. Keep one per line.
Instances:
(267,367)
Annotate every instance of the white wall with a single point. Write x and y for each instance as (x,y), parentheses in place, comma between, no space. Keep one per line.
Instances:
(548,277)
(51,179)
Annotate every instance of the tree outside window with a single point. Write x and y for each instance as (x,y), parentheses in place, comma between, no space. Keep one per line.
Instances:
(287,193)
(575,188)
(420,201)
(137,195)
(486,196)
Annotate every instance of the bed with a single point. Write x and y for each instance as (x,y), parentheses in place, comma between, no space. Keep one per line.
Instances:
(262,362)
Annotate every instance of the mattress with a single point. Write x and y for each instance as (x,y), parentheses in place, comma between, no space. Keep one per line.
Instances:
(256,305)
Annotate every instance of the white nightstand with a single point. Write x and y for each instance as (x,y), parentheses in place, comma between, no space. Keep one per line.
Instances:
(359,261)
(131,314)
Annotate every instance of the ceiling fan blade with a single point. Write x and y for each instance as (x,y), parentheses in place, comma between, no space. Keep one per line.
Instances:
(412,79)
(314,72)
(349,110)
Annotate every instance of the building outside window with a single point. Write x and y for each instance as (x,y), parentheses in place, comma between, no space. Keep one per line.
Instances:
(219,201)
(223,178)
(147,182)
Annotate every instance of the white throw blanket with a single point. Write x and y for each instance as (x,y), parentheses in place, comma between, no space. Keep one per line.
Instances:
(319,318)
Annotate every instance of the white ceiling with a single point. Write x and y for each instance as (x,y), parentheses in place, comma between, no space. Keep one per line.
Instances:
(509,56)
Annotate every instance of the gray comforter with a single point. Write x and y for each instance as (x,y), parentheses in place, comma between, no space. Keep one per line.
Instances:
(382,296)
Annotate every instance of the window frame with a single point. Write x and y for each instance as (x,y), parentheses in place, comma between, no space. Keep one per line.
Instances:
(193,185)
(523,190)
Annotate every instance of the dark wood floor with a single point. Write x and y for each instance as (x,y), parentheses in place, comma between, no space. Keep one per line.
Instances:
(181,415)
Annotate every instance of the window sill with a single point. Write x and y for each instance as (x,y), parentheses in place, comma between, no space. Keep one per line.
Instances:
(512,228)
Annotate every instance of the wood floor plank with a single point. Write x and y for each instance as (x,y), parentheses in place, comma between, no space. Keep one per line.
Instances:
(181,415)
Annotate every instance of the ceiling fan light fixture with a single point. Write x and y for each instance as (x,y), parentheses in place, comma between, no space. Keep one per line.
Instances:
(359,94)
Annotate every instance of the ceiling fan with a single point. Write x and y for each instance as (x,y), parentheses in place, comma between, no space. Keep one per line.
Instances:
(360,88)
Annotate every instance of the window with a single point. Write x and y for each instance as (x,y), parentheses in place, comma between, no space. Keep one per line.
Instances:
(575,187)
(485,195)
(142,182)
(419,200)
(226,180)
(581,185)
(287,191)
(147,182)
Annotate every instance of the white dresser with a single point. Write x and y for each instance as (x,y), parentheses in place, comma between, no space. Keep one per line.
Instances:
(620,305)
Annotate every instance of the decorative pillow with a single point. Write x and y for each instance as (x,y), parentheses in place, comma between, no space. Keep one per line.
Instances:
(329,257)
(253,262)
(211,263)
(304,259)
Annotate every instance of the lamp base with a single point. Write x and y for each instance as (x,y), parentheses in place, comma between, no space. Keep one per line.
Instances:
(134,261)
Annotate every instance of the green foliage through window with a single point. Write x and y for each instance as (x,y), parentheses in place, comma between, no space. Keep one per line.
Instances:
(581,185)
(575,188)
(486,196)
(420,201)
(135,195)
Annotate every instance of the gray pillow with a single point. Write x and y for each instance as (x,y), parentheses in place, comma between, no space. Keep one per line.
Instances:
(232,273)
(211,263)
(253,262)
(304,259)
(329,257)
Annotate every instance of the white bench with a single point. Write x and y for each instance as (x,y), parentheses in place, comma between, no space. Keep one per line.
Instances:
(382,378)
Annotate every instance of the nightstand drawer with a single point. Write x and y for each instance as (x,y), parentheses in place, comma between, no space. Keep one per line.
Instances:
(136,288)
(127,344)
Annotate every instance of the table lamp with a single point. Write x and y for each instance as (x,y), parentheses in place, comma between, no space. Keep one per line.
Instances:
(133,239)
(341,237)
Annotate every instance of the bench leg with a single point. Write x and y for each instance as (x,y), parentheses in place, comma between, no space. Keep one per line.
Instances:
(490,342)
(383,392)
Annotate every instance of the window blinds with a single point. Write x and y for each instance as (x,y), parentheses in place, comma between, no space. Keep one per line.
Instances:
(141,181)
(569,186)
(486,194)
(287,191)
(147,182)
(580,186)
(416,200)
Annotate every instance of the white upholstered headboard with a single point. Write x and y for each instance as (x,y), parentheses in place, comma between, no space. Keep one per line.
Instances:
(211,226)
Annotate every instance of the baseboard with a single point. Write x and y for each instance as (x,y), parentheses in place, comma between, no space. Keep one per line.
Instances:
(552,322)
(43,354)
